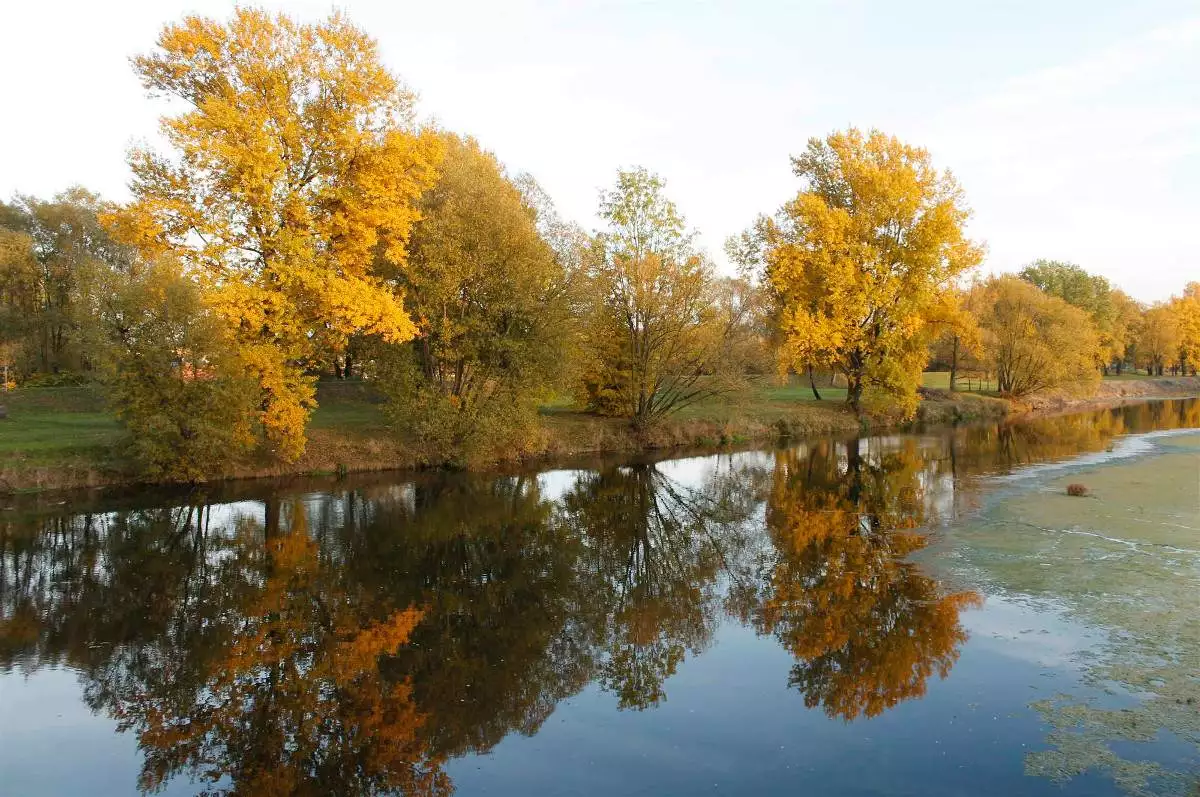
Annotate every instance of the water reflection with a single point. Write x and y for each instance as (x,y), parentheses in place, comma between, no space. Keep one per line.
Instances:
(355,640)
(866,626)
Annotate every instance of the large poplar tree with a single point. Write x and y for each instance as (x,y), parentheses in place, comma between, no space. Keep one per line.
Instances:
(294,170)
(863,262)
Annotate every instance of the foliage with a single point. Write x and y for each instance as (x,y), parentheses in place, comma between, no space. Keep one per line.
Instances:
(960,344)
(1159,338)
(173,378)
(657,337)
(1034,341)
(1186,308)
(53,255)
(491,303)
(1127,321)
(1090,293)
(295,171)
(863,261)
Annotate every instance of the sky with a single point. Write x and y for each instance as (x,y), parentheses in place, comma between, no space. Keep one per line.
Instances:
(1073,127)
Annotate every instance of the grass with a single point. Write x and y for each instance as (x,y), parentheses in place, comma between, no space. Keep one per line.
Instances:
(65,437)
(349,415)
(47,424)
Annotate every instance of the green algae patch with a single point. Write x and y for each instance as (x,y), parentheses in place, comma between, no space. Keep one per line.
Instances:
(1125,560)
(1190,441)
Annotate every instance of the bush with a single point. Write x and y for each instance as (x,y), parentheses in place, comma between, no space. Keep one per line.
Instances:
(445,431)
(173,378)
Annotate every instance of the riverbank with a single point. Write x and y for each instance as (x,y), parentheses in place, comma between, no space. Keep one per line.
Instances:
(63,438)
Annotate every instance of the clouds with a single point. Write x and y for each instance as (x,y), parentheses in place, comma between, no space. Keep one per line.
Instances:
(1083,161)
(1072,126)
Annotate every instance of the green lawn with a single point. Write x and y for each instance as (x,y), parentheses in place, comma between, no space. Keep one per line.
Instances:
(49,431)
(797,389)
(766,394)
(348,415)
(48,424)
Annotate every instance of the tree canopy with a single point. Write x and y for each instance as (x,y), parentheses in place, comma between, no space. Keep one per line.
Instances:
(491,301)
(658,337)
(293,172)
(1035,341)
(864,259)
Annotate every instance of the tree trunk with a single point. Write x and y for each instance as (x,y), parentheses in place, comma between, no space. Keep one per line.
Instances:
(812,383)
(954,366)
(854,391)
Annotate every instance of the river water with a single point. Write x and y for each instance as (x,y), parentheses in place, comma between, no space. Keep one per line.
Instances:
(924,614)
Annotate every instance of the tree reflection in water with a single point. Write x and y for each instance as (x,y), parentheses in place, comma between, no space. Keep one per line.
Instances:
(354,641)
(866,626)
(653,549)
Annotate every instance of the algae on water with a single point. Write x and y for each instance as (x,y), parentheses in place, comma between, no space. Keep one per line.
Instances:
(1126,561)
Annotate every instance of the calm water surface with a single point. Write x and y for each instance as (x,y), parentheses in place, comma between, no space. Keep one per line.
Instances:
(897,615)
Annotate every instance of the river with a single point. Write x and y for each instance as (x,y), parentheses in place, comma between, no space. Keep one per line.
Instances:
(909,614)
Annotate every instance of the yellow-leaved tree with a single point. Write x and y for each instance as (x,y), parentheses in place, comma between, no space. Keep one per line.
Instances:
(1186,308)
(492,301)
(863,262)
(1033,340)
(1159,338)
(294,169)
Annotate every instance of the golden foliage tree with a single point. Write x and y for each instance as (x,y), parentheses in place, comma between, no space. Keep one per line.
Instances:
(295,170)
(1034,341)
(863,260)
(959,344)
(1186,308)
(1158,338)
(1127,319)
(1090,293)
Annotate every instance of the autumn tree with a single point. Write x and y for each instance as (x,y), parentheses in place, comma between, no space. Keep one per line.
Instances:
(293,173)
(19,295)
(1033,341)
(1158,339)
(1090,293)
(1186,308)
(171,373)
(53,256)
(490,298)
(1127,320)
(863,261)
(959,345)
(657,338)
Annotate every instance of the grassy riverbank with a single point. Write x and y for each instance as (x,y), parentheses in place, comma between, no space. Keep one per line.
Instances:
(65,437)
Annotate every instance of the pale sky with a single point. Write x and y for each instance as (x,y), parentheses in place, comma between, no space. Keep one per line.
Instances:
(1074,127)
